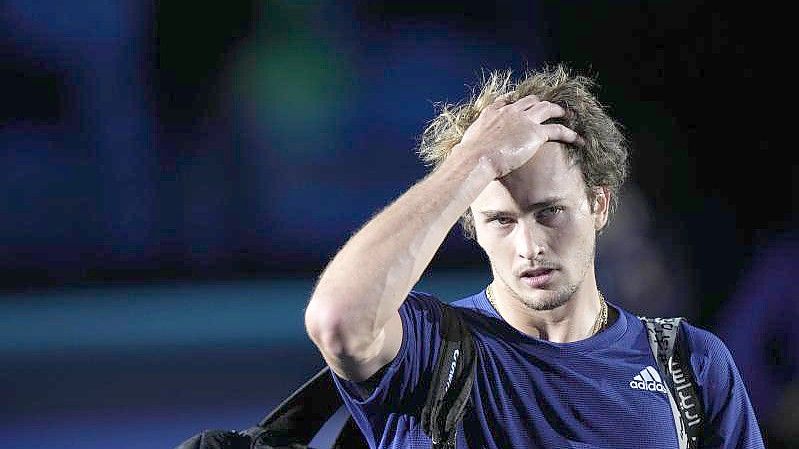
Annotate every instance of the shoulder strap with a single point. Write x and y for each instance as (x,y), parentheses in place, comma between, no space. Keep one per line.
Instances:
(675,364)
(451,384)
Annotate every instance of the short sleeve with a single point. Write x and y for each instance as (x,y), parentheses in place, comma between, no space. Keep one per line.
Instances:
(729,417)
(402,389)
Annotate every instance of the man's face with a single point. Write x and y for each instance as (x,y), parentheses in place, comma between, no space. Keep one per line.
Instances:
(538,229)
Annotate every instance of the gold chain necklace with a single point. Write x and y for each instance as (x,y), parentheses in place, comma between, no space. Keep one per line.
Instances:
(601,319)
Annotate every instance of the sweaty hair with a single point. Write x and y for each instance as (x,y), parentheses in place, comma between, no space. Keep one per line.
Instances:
(602,159)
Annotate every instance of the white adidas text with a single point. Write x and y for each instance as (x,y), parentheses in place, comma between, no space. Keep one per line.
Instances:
(649,380)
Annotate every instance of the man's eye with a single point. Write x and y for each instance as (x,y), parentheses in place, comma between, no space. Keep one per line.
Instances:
(550,212)
(502,220)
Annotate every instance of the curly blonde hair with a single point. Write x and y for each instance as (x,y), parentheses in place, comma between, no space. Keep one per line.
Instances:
(603,159)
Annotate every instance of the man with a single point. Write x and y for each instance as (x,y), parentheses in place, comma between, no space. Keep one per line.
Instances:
(533,169)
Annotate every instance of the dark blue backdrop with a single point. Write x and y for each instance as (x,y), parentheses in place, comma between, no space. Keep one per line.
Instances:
(175,176)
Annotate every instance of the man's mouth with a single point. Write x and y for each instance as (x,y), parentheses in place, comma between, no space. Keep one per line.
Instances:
(536,277)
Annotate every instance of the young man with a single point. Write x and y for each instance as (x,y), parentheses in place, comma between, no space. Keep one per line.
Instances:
(533,169)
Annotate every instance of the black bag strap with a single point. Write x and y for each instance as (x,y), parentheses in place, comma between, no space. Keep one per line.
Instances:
(451,385)
(675,364)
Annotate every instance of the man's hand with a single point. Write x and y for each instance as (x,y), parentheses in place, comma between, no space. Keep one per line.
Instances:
(507,134)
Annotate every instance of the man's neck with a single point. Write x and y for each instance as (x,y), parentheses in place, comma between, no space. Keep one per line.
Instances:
(572,321)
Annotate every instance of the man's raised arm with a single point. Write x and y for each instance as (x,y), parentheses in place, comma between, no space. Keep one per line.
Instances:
(353,314)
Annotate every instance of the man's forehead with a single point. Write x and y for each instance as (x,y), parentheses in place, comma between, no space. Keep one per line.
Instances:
(550,165)
(498,195)
(538,182)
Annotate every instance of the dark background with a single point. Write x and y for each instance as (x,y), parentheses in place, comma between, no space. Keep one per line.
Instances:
(175,176)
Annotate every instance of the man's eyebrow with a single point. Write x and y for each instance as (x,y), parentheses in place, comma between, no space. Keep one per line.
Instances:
(492,213)
(546,202)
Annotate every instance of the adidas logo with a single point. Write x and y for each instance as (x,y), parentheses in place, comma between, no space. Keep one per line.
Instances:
(648,379)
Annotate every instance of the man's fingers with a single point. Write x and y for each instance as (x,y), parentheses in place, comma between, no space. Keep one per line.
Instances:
(527,102)
(544,110)
(500,101)
(558,132)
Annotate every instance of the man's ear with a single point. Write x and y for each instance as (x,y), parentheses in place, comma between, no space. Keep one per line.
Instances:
(600,207)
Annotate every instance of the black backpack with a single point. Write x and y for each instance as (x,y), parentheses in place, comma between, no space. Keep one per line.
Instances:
(315,417)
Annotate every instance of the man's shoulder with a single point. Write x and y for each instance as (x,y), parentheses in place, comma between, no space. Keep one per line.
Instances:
(708,351)
(709,357)
(703,341)
(699,339)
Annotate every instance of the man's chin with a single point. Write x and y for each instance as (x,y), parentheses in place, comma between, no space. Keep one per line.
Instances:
(541,299)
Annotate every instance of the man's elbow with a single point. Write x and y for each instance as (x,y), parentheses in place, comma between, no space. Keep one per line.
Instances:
(334,333)
(323,327)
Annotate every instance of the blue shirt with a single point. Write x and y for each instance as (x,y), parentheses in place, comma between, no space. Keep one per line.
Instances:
(596,393)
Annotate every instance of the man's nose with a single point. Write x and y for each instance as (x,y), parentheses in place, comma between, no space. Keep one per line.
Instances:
(529,240)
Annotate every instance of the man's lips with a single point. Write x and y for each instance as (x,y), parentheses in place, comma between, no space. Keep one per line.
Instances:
(536,277)
(532,272)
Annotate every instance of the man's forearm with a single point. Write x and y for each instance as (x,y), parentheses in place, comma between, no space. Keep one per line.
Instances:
(367,281)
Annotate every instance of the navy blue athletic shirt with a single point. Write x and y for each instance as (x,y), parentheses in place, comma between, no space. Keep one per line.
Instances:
(603,392)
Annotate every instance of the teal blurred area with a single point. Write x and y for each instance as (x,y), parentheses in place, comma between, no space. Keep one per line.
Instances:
(174,316)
